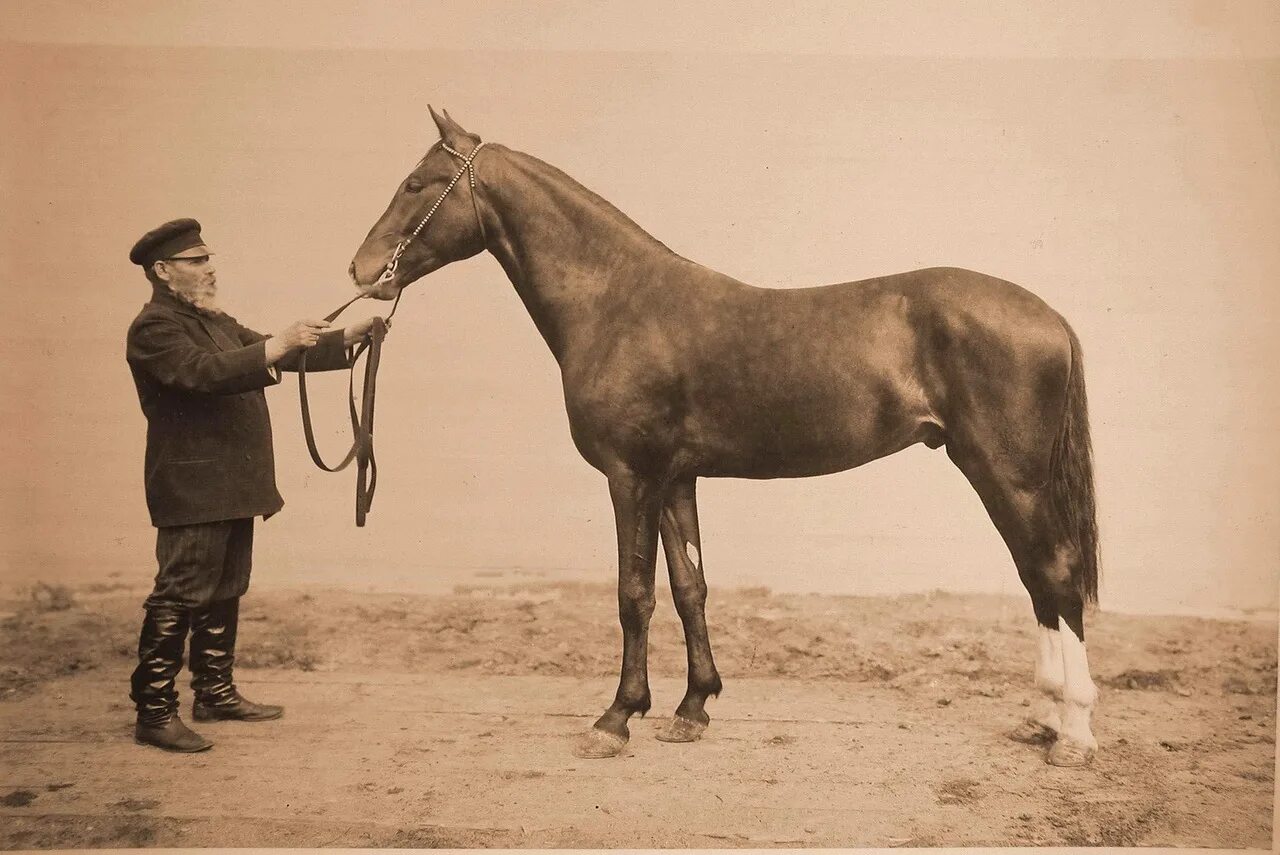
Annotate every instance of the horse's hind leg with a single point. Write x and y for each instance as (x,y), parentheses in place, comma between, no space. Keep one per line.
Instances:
(683,547)
(1046,562)
(1076,742)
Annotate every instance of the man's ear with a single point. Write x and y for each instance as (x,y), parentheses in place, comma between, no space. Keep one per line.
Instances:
(161,270)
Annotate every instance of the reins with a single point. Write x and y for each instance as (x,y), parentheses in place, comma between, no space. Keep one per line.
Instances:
(361,450)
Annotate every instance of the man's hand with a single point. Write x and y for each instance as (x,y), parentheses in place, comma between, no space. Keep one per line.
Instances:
(358,330)
(297,334)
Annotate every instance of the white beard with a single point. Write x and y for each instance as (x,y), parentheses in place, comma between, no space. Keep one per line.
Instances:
(202,297)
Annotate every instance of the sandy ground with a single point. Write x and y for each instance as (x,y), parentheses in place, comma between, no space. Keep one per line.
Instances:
(448,721)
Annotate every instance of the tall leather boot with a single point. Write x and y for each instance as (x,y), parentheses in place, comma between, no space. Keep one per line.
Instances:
(213,653)
(153,687)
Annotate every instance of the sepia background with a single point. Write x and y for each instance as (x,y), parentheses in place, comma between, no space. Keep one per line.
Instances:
(1122,165)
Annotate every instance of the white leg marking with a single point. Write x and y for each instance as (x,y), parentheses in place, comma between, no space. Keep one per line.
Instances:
(1078,693)
(1049,678)
(692,552)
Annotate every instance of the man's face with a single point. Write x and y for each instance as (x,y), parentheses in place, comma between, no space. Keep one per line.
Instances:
(192,279)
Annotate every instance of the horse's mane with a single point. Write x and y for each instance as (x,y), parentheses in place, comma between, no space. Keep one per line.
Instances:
(554,177)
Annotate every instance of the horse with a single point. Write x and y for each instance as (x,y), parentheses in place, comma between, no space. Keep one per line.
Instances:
(674,372)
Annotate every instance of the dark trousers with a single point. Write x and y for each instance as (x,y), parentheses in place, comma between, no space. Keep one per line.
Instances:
(204,569)
(202,564)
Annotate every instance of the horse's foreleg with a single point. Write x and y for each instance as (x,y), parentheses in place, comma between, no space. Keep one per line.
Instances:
(683,547)
(636,505)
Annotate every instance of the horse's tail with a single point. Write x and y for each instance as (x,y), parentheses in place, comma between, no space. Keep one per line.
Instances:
(1071,481)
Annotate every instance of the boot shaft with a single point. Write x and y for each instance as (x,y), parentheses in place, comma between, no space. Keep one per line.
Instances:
(153,686)
(213,652)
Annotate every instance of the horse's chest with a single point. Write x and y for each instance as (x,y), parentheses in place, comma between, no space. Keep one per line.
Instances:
(622,408)
(621,413)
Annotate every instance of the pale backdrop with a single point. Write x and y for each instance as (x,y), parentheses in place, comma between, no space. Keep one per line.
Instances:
(1122,167)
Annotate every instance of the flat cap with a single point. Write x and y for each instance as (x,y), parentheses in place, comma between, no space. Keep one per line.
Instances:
(174,239)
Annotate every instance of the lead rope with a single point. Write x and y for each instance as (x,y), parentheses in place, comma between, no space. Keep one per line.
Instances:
(361,449)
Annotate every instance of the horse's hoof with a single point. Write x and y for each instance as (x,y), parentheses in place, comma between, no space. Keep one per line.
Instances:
(1067,753)
(681,729)
(1032,732)
(596,743)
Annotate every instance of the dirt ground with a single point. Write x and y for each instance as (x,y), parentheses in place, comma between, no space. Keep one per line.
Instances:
(421,721)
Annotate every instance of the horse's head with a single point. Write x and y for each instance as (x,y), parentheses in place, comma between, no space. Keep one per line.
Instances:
(433,218)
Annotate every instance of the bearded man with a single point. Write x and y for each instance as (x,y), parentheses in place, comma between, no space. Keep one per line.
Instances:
(209,471)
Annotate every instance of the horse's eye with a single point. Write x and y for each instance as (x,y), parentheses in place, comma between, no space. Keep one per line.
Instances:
(413,185)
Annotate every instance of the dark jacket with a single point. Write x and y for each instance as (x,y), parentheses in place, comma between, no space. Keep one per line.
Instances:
(200,379)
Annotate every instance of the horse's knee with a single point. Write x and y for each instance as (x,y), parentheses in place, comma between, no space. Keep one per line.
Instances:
(690,596)
(635,603)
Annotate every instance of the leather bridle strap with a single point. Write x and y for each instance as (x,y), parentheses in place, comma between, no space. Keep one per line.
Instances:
(361,449)
(389,272)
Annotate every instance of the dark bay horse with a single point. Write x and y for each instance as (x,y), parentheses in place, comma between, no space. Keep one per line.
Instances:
(673,372)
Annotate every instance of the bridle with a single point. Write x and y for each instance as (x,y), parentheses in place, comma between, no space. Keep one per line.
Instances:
(361,449)
(389,272)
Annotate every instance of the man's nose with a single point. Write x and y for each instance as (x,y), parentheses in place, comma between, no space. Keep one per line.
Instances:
(351,271)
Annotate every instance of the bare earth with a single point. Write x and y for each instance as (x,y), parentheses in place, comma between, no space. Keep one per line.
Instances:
(448,721)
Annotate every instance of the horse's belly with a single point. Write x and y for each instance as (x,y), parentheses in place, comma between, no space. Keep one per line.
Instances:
(801,442)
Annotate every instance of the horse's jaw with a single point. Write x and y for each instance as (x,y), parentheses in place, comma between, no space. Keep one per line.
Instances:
(382,290)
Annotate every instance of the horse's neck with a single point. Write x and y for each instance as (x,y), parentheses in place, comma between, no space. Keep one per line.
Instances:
(566,250)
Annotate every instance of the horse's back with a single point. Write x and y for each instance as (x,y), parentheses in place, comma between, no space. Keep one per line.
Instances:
(911,357)
(916,317)
(930,316)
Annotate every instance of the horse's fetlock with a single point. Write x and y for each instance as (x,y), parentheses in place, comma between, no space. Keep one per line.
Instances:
(1050,686)
(709,687)
(631,701)
(1084,696)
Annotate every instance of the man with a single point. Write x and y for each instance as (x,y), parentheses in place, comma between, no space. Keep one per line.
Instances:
(209,471)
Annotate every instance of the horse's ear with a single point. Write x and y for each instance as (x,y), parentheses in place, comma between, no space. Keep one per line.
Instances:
(441,122)
(450,130)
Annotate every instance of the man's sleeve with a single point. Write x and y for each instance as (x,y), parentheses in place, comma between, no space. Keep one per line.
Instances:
(163,348)
(328,354)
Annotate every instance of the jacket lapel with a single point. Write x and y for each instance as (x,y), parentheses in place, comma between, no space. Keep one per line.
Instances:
(211,327)
(217,333)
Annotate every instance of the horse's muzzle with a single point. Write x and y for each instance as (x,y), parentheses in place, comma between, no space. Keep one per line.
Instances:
(378,289)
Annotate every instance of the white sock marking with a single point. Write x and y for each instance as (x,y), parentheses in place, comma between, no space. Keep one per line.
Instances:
(1079,693)
(1049,677)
